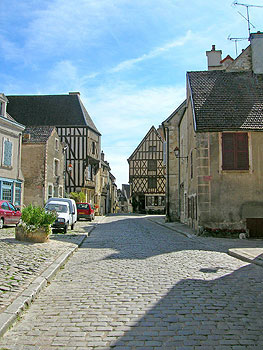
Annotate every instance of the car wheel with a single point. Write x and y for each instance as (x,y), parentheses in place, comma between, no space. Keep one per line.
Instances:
(65,229)
(1,223)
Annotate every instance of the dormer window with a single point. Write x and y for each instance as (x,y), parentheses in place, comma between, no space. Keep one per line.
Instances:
(2,108)
(3,102)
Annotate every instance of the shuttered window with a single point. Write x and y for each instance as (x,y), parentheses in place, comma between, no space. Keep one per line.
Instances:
(235,151)
(7,157)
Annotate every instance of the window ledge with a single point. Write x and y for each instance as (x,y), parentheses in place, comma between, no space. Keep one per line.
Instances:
(7,167)
(235,171)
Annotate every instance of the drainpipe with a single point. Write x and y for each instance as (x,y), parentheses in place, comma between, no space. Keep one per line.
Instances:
(179,177)
(168,216)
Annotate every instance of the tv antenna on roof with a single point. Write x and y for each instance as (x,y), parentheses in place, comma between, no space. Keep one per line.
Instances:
(236,3)
(236,41)
(246,18)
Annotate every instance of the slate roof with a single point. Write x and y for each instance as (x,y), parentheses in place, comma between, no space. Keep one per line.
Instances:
(59,110)
(38,134)
(227,101)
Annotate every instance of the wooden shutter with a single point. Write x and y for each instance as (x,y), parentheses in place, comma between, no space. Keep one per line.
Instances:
(235,151)
(242,151)
(228,149)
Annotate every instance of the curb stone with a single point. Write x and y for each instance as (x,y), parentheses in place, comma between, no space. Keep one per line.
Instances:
(14,310)
(186,234)
(246,255)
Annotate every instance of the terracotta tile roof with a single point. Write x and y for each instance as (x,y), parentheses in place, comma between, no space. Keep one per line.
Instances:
(58,110)
(227,101)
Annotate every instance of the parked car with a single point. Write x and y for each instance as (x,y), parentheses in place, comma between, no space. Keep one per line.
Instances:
(64,218)
(72,208)
(85,211)
(8,214)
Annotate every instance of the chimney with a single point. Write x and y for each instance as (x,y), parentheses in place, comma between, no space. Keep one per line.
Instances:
(74,93)
(256,40)
(214,58)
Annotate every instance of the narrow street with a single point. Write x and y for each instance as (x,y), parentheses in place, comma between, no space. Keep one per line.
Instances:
(134,285)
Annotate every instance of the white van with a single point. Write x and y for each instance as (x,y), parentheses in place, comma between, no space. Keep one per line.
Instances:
(64,218)
(72,208)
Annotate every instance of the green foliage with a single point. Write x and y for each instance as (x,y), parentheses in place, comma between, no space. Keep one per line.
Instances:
(37,217)
(79,197)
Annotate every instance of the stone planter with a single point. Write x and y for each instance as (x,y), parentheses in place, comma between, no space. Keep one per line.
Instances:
(38,236)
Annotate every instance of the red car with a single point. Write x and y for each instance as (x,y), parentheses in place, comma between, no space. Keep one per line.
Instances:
(8,214)
(85,211)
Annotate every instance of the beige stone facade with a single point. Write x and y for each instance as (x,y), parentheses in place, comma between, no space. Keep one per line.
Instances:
(203,190)
(42,165)
(11,176)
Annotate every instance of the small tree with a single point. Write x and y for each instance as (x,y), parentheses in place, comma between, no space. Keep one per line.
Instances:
(78,196)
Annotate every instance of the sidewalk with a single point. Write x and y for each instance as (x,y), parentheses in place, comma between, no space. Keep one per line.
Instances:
(26,268)
(250,250)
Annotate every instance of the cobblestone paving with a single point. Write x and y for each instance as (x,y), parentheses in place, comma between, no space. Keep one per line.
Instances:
(135,286)
(22,262)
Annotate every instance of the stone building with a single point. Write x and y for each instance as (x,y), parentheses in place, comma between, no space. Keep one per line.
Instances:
(75,129)
(216,139)
(11,176)
(43,164)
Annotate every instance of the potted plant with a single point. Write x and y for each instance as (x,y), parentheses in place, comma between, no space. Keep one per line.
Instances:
(35,224)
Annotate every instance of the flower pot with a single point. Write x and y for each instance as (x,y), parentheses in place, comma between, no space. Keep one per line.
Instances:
(38,236)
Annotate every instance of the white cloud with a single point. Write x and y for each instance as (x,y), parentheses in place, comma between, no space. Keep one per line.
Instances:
(124,115)
(152,54)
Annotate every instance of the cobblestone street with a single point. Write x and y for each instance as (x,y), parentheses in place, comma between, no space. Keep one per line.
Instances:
(134,285)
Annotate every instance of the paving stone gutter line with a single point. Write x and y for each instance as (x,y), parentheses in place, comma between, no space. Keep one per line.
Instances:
(28,295)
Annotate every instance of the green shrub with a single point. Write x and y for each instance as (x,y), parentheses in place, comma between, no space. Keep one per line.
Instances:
(79,197)
(34,217)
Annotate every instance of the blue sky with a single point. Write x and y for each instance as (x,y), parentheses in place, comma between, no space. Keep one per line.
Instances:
(127,58)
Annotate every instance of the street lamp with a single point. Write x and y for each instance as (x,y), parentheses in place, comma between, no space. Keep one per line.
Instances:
(177,153)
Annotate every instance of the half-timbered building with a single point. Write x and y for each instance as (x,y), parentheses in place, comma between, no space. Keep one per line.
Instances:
(75,129)
(147,174)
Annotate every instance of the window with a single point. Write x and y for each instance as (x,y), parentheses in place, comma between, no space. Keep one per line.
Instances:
(7,191)
(152,165)
(152,148)
(5,206)
(60,191)
(152,182)
(56,167)
(93,147)
(50,191)
(2,108)
(7,152)
(17,194)
(235,151)
(161,201)
(12,207)
(56,144)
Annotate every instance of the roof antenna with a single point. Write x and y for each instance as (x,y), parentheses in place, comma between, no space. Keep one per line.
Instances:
(236,3)
(236,41)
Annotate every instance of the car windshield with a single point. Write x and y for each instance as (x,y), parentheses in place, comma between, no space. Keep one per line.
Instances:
(59,208)
(83,206)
